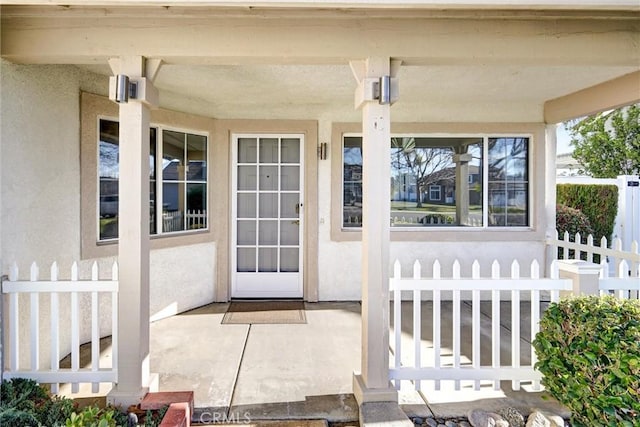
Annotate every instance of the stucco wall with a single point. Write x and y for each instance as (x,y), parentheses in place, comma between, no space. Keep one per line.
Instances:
(40,216)
(40,163)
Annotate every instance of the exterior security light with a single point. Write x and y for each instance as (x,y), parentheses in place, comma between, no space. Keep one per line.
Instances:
(385,90)
(122,89)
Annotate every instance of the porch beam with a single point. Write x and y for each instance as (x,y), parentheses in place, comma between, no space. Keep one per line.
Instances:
(134,379)
(624,90)
(372,383)
(74,38)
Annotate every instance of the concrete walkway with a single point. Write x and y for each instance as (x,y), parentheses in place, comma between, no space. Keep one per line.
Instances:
(261,371)
(299,371)
(304,371)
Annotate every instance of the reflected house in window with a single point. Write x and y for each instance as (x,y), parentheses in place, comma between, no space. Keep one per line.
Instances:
(443,191)
(439,180)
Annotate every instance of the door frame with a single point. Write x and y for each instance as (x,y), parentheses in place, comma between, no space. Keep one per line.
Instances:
(303,240)
(220,192)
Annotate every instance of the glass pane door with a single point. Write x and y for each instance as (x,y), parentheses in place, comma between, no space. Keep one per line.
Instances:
(267,220)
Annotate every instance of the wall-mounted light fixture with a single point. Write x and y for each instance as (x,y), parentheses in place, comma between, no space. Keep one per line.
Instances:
(121,89)
(322,151)
(385,90)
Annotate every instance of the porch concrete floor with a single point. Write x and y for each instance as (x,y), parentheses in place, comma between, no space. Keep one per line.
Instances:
(304,371)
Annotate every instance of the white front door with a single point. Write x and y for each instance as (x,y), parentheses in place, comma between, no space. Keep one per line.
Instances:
(266,252)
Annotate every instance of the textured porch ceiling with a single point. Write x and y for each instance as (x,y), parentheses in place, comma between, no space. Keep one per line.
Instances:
(293,63)
(449,93)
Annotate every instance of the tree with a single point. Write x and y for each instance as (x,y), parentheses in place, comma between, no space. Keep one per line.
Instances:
(608,144)
(427,164)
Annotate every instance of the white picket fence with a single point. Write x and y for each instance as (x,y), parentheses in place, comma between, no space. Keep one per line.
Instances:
(420,356)
(417,220)
(35,288)
(175,221)
(620,270)
(447,364)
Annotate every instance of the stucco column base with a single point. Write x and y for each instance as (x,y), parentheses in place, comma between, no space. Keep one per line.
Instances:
(363,394)
(125,398)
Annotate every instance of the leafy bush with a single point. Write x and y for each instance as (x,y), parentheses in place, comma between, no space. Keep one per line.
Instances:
(598,202)
(92,416)
(25,403)
(572,221)
(588,352)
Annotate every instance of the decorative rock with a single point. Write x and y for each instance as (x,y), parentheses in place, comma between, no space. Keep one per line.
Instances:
(464,424)
(556,420)
(512,416)
(430,422)
(537,419)
(451,424)
(480,418)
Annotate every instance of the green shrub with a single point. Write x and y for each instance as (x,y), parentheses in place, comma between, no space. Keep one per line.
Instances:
(598,202)
(588,352)
(572,221)
(25,403)
(92,416)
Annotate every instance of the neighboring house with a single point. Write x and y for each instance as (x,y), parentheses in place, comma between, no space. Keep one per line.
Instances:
(566,165)
(239,100)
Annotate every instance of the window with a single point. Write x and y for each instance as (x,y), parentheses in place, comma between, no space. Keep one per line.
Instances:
(352,182)
(434,193)
(508,181)
(438,181)
(177,180)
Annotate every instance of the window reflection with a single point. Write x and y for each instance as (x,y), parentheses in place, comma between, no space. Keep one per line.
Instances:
(439,181)
(109,176)
(508,181)
(178,180)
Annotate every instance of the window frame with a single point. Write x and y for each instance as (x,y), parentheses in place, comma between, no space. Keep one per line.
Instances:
(436,188)
(159,180)
(536,200)
(92,107)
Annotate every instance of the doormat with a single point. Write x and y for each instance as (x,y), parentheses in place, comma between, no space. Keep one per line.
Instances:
(264,313)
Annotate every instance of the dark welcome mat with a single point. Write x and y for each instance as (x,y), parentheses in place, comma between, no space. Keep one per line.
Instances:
(264,313)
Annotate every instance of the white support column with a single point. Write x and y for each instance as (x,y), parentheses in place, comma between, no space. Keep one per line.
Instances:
(372,383)
(550,148)
(134,379)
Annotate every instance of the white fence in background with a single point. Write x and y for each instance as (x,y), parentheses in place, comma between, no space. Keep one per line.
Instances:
(421,356)
(175,220)
(34,288)
(627,222)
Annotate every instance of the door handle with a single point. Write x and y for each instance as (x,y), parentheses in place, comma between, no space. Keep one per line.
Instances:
(298,205)
(296,222)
